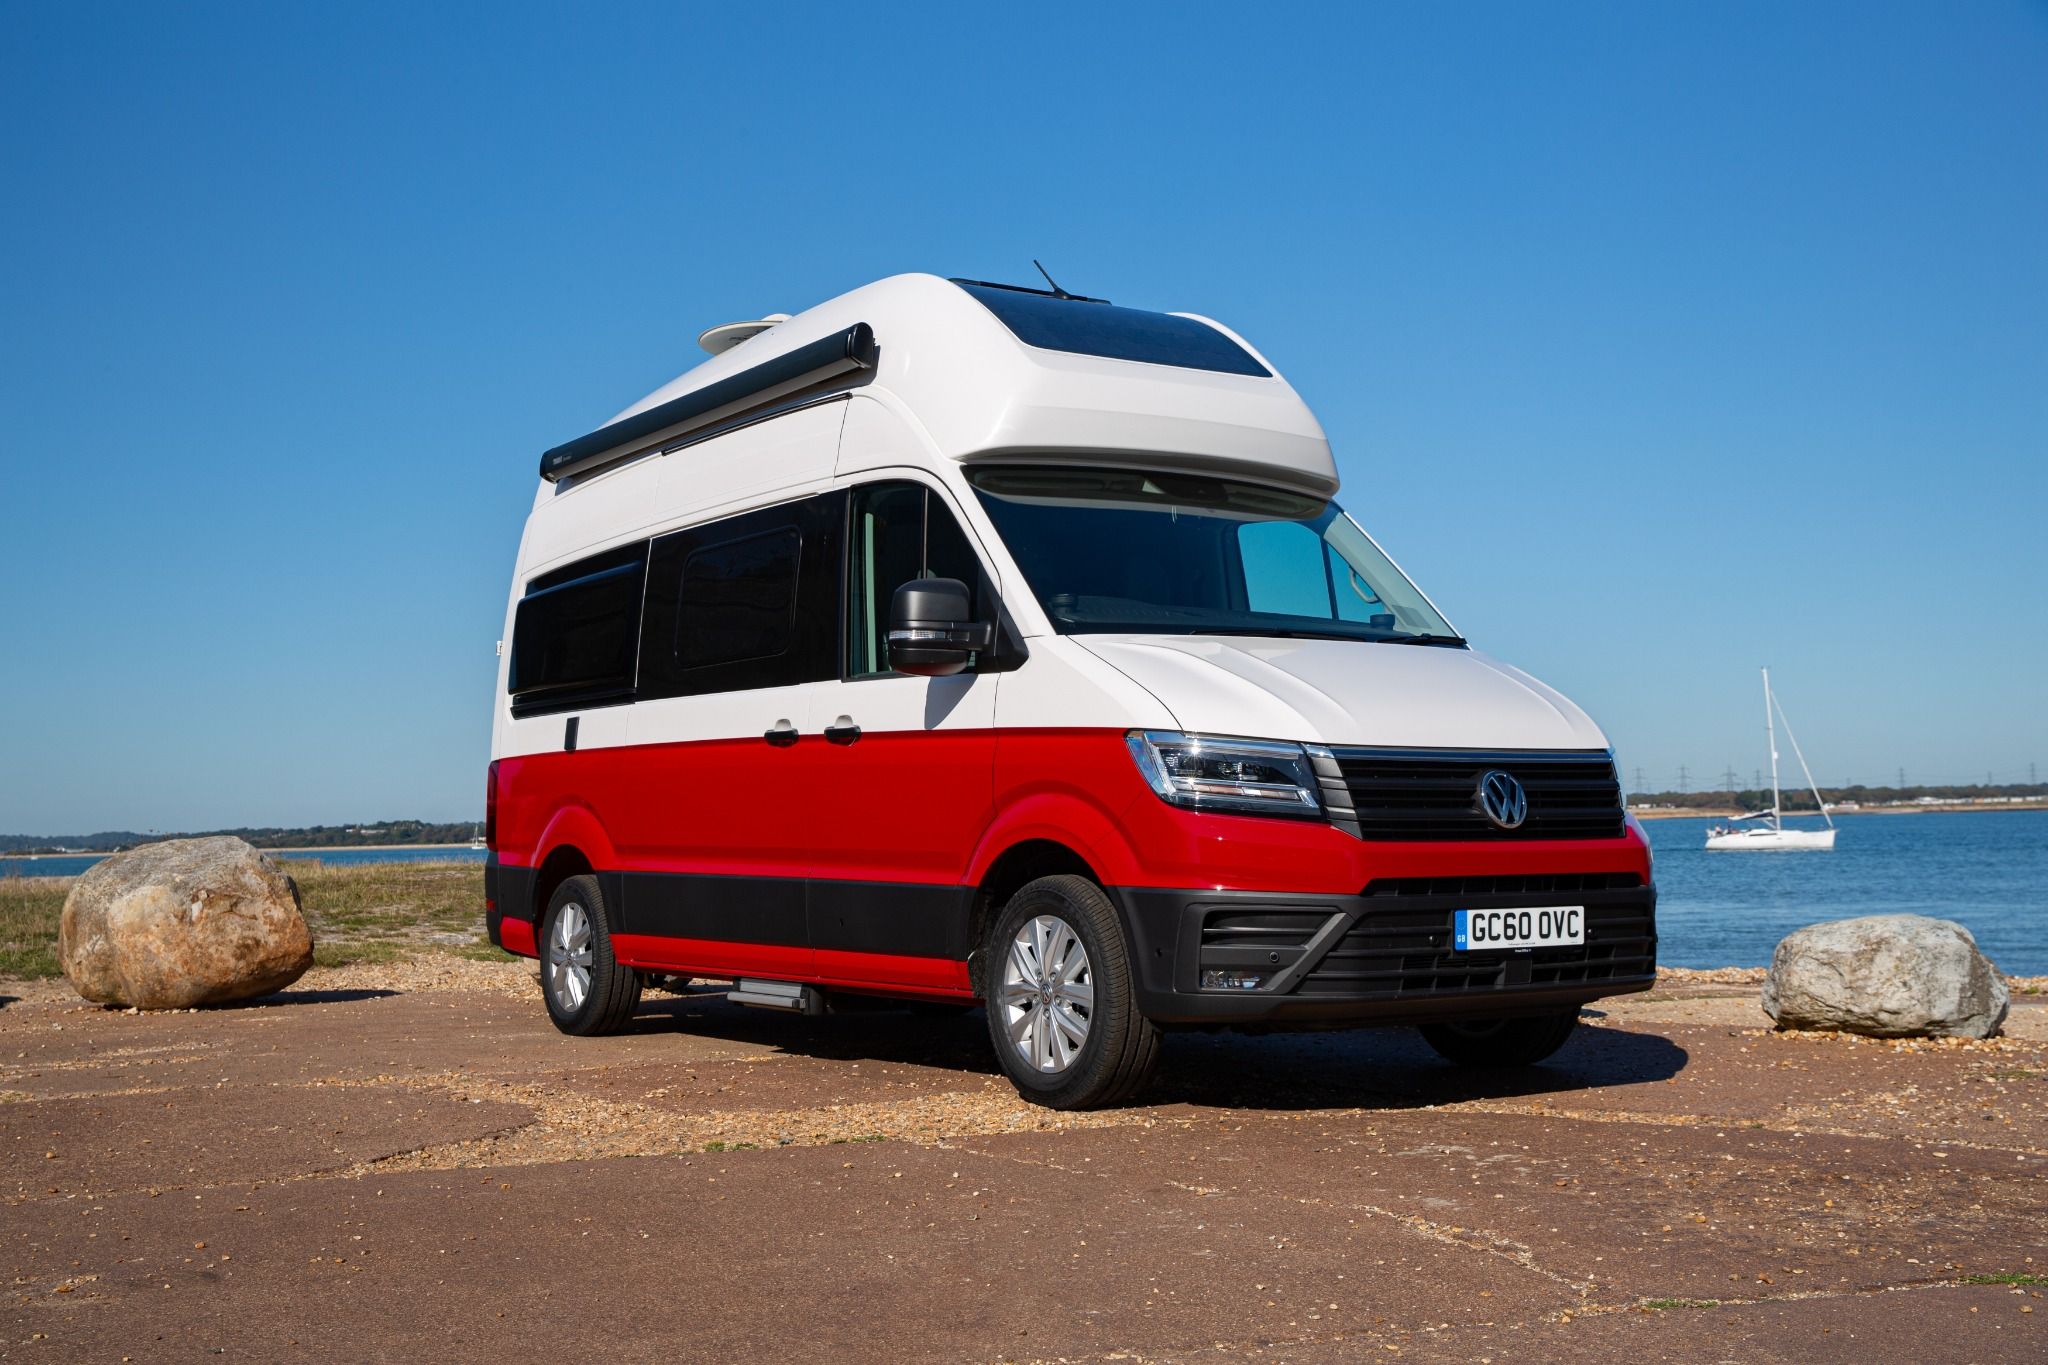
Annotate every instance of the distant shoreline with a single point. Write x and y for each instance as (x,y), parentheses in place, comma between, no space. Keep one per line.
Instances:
(1730,812)
(366,848)
(325,848)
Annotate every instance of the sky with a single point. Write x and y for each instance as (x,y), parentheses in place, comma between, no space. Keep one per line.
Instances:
(1657,342)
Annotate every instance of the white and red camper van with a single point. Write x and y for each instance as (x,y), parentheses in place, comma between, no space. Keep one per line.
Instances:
(961,642)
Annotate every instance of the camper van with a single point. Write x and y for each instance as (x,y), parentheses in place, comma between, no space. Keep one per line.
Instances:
(964,643)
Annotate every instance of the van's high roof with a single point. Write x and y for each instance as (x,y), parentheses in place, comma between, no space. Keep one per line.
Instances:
(992,371)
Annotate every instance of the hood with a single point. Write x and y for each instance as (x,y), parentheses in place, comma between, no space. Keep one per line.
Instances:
(1347,692)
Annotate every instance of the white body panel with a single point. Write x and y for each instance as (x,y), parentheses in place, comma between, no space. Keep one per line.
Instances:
(1340,692)
(952,385)
(977,391)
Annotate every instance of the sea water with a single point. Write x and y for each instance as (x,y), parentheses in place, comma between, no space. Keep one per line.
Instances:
(1986,870)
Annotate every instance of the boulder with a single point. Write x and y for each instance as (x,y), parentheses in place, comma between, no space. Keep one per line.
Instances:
(184,922)
(1887,976)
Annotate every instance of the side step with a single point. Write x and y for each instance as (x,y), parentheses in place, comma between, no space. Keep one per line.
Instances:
(777,995)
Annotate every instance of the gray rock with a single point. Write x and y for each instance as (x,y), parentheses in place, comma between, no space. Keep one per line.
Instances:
(181,923)
(1887,976)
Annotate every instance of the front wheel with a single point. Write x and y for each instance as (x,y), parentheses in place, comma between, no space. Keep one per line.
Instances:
(587,991)
(1061,1009)
(1494,1043)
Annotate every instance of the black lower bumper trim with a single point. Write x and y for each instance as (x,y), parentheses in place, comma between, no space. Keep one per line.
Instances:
(1329,961)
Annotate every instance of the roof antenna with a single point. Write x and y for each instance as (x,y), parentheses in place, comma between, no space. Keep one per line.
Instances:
(1058,292)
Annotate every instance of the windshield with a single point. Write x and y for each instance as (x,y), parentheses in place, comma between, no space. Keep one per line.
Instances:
(1143,553)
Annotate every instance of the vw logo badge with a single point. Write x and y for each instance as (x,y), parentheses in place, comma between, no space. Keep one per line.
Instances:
(1502,800)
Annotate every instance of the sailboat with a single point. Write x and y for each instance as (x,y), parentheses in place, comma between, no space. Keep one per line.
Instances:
(1770,832)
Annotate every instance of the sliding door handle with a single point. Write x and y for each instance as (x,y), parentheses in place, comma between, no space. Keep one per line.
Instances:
(842,731)
(781,734)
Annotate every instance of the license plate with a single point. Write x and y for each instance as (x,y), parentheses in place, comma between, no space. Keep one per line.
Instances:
(1550,926)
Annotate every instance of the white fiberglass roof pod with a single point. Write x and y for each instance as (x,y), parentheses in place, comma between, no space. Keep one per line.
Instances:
(990,371)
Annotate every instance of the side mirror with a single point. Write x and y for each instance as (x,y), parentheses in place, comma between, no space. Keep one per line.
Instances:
(932,630)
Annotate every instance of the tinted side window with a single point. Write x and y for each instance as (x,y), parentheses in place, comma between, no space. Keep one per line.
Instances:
(901,531)
(576,632)
(750,601)
(738,600)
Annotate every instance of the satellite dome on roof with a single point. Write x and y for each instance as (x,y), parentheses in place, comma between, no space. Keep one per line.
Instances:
(722,338)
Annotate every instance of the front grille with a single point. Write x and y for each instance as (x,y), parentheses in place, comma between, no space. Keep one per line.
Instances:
(1431,795)
(1267,929)
(1401,945)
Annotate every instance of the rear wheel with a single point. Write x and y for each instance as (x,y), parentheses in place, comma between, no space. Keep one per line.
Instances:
(1520,1041)
(1061,1010)
(587,991)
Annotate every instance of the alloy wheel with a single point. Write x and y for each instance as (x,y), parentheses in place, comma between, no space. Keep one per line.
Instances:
(568,968)
(1048,994)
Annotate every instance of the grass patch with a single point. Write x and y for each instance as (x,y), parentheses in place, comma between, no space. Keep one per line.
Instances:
(1681,1303)
(2017,1278)
(731,1147)
(29,910)
(389,900)
(361,912)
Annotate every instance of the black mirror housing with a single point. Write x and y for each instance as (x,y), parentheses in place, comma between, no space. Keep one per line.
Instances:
(932,630)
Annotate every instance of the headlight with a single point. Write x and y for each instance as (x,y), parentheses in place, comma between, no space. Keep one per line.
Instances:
(1240,776)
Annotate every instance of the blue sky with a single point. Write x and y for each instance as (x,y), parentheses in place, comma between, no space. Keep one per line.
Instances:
(1657,342)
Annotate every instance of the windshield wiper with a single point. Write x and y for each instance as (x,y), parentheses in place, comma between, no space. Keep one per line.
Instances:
(1277,633)
(1447,641)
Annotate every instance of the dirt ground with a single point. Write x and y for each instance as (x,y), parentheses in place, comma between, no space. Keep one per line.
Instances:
(403,1161)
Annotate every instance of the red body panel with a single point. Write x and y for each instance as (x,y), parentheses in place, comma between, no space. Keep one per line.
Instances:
(934,808)
(713,957)
(517,935)
(907,806)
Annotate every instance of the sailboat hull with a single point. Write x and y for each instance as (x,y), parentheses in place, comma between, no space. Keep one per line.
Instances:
(1770,840)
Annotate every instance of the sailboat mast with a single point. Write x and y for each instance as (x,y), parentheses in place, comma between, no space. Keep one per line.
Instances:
(1771,736)
(1800,754)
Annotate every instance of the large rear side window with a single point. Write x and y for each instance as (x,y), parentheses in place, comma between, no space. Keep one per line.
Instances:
(1087,328)
(576,635)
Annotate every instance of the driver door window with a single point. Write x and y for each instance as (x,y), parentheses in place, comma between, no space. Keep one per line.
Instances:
(901,531)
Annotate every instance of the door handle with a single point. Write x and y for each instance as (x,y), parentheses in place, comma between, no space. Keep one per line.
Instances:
(781,734)
(842,731)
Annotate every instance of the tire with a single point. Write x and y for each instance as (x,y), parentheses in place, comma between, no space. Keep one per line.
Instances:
(1496,1043)
(1035,1015)
(587,992)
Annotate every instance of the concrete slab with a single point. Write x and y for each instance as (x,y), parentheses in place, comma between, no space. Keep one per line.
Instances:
(174,1139)
(1625,1210)
(895,1252)
(1938,1323)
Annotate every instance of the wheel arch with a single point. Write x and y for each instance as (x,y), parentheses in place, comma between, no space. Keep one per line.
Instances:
(563,862)
(1013,869)
(573,843)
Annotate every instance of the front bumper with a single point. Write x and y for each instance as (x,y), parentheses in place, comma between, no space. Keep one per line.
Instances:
(1384,955)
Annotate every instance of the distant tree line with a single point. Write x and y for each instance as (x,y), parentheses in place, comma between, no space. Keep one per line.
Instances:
(1802,799)
(309,836)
